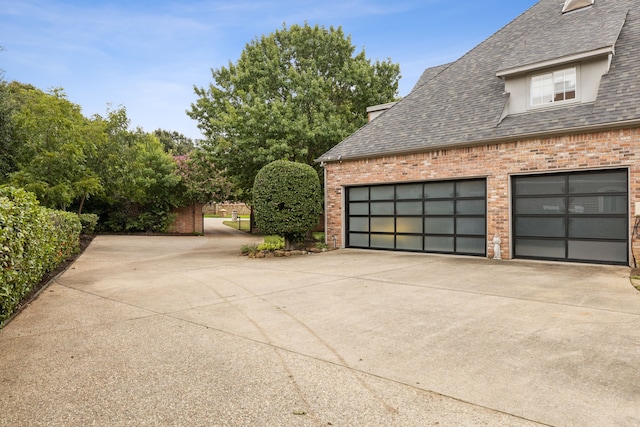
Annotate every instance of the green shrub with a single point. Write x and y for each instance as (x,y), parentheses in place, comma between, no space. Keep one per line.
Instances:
(33,241)
(287,199)
(89,222)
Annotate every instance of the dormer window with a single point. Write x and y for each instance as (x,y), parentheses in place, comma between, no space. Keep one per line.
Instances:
(553,87)
(570,5)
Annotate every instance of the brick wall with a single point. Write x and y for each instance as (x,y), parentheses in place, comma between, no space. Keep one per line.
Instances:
(496,162)
(188,220)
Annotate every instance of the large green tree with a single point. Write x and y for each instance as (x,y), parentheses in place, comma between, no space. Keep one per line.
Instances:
(50,143)
(292,94)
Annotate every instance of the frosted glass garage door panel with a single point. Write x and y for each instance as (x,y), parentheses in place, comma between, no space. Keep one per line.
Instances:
(438,226)
(382,208)
(474,226)
(471,207)
(413,191)
(540,185)
(409,208)
(440,207)
(606,182)
(358,208)
(540,206)
(470,245)
(359,240)
(439,190)
(382,224)
(598,251)
(409,225)
(358,224)
(382,241)
(540,227)
(438,244)
(383,193)
(598,228)
(540,248)
(470,189)
(359,193)
(409,243)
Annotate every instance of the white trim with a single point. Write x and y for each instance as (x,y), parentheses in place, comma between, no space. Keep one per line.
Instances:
(609,50)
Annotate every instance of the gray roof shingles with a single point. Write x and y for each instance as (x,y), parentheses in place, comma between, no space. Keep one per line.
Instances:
(461,103)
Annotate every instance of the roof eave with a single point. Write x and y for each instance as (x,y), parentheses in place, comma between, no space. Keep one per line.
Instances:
(488,141)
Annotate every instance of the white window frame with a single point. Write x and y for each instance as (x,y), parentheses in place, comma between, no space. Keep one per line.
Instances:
(554,77)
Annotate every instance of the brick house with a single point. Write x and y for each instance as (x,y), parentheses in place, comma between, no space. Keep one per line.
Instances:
(530,142)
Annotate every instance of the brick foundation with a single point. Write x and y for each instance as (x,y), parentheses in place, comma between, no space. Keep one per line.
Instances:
(496,162)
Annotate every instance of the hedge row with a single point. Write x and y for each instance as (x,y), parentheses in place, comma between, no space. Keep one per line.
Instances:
(33,241)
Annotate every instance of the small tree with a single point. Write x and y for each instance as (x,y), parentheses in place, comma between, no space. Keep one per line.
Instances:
(287,199)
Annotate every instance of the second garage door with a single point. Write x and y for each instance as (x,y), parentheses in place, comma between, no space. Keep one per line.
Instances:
(580,216)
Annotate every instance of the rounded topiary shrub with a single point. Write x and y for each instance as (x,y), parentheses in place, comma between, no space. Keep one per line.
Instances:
(287,199)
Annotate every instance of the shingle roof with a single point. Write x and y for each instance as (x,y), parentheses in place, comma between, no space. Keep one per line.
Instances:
(461,103)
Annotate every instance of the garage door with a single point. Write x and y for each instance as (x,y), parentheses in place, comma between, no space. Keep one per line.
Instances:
(580,216)
(439,217)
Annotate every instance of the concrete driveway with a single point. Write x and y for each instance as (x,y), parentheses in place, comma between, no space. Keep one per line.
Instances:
(183,331)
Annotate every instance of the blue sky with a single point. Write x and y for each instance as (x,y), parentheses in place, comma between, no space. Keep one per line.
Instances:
(147,55)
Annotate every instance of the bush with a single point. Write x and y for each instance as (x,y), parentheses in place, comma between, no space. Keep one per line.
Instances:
(33,241)
(287,199)
(89,222)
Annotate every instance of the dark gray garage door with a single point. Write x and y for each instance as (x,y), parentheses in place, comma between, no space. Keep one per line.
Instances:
(439,217)
(580,216)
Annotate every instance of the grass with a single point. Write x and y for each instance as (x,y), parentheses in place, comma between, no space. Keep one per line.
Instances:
(242,224)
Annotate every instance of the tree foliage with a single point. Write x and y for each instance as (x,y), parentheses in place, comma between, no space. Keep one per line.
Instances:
(97,164)
(292,94)
(174,142)
(287,199)
(50,143)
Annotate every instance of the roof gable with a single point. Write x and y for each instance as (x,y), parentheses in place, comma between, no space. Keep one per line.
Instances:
(462,103)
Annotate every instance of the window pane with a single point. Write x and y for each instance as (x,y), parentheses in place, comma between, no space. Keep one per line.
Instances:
(539,185)
(360,240)
(438,190)
(598,251)
(438,244)
(598,228)
(444,207)
(411,191)
(382,225)
(409,208)
(358,208)
(598,205)
(470,188)
(610,182)
(470,207)
(409,225)
(358,224)
(409,243)
(438,225)
(382,193)
(359,193)
(470,245)
(382,241)
(382,208)
(540,205)
(540,248)
(470,226)
(540,227)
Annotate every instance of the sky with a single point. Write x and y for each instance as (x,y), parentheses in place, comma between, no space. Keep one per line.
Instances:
(147,55)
